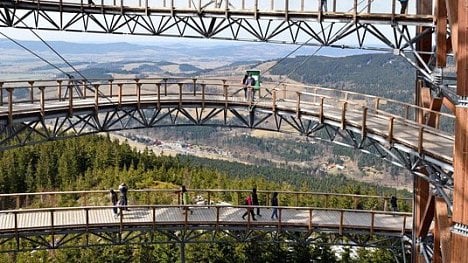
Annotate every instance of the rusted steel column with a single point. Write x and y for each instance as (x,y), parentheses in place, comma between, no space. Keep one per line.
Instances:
(459,245)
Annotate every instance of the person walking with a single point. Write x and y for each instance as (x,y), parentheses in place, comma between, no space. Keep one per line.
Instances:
(114,199)
(255,200)
(123,189)
(245,84)
(394,203)
(323,6)
(274,204)
(185,200)
(248,202)
(251,85)
(404,5)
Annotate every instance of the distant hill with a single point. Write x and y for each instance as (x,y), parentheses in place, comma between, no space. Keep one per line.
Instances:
(383,74)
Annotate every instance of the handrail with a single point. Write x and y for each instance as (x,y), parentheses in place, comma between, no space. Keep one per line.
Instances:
(287,7)
(296,99)
(23,200)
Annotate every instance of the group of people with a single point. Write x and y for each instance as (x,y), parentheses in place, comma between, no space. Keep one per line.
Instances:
(249,82)
(252,200)
(119,202)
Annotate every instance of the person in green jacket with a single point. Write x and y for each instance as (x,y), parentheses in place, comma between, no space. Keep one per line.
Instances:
(185,200)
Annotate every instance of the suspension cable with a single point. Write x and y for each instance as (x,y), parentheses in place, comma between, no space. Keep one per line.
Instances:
(58,54)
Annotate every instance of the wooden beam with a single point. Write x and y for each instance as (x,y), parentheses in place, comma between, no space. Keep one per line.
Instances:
(448,104)
(436,105)
(441,31)
(426,97)
(443,224)
(452,15)
(427,217)
(462,49)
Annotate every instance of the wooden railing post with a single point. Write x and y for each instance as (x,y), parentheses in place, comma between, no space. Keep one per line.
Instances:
(31,91)
(203,95)
(120,95)
(195,80)
(158,87)
(138,94)
(10,105)
(321,117)
(343,115)
(42,100)
(59,89)
(372,223)
(390,129)
(70,99)
(420,139)
(180,94)
(364,122)
(96,97)
(273,106)
(165,86)
(110,87)
(340,229)
(298,105)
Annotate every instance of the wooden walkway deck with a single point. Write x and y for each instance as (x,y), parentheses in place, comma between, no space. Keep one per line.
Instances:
(86,218)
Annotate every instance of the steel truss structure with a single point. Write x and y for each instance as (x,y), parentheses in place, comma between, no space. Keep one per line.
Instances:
(34,129)
(355,28)
(183,235)
(313,27)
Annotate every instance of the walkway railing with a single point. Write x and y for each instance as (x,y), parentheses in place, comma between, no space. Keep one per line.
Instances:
(351,7)
(72,219)
(50,94)
(200,197)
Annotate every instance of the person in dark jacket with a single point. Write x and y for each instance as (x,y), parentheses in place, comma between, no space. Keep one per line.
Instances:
(274,204)
(394,203)
(255,200)
(404,5)
(245,84)
(114,200)
(123,189)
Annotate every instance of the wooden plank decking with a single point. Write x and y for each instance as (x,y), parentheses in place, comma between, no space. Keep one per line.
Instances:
(78,218)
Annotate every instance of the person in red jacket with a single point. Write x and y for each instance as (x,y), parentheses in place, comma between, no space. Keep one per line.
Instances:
(248,202)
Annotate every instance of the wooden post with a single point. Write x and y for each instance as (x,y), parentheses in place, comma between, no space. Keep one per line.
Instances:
(343,115)
(110,87)
(42,100)
(298,105)
(10,106)
(158,86)
(364,122)
(203,95)
(96,97)
(180,94)
(31,91)
(273,106)
(390,129)
(120,94)
(138,94)
(70,99)
(321,110)
(59,89)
